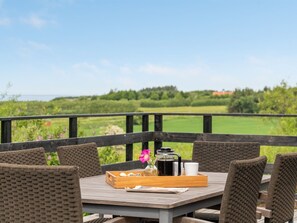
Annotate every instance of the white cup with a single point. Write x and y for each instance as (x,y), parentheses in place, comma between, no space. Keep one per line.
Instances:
(175,168)
(191,168)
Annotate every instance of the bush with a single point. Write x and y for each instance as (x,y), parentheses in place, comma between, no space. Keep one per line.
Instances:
(152,104)
(95,106)
(164,103)
(52,159)
(177,103)
(210,102)
(108,155)
(244,101)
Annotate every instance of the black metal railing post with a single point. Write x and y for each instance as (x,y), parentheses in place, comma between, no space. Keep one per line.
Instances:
(145,128)
(158,128)
(207,123)
(129,129)
(72,127)
(6,131)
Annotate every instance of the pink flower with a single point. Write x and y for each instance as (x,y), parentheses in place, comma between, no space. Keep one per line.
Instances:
(145,155)
(39,138)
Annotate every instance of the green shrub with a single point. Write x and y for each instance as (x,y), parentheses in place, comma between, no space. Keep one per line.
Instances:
(164,103)
(108,155)
(52,159)
(152,104)
(137,119)
(244,101)
(210,102)
(177,103)
(272,151)
(95,106)
(36,130)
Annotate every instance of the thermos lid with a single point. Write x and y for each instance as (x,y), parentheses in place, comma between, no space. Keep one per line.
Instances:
(165,150)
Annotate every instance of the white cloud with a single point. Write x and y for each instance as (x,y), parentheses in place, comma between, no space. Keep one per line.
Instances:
(255,60)
(186,71)
(58,71)
(54,4)
(191,71)
(5,21)
(38,46)
(105,62)
(156,69)
(86,68)
(165,71)
(126,70)
(34,21)
(28,48)
(126,83)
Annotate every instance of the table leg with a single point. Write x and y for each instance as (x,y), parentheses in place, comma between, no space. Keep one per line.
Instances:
(166,216)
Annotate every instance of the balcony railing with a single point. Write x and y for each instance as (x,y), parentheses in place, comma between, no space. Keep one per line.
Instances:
(157,135)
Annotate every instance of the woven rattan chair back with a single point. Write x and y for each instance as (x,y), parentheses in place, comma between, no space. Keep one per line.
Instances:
(85,156)
(35,156)
(239,202)
(216,156)
(43,194)
(282,188)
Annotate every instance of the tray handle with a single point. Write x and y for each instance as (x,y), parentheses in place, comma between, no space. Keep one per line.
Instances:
(109,177)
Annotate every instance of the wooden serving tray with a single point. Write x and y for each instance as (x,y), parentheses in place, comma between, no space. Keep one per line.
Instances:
(114,179)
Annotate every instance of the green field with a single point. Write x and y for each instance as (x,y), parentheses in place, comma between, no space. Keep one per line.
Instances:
(228,125)
(201,109)
(221,124)
(235,125)
(192,124)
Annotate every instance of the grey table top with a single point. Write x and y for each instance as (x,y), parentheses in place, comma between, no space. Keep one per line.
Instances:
(96,193)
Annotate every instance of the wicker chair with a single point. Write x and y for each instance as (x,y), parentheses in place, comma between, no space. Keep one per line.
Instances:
(280,197)
(216,156)
(239,202)
(35,156)
(43,194)
(85,156)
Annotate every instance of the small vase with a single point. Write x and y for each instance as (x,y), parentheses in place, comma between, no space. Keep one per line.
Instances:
(151,170)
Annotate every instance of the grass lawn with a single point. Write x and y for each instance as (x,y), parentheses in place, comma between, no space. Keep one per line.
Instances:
(202,109)
(228,125)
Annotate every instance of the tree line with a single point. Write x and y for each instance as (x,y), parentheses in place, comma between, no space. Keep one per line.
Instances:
(281,99)
(155,94)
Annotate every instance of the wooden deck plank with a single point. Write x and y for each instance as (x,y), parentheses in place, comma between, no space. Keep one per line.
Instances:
(295,218)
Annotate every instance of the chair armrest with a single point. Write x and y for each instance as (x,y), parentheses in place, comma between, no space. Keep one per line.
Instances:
(189,220)
(266,213)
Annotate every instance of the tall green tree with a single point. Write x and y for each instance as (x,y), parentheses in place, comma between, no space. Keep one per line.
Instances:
(281,99)
(244,101)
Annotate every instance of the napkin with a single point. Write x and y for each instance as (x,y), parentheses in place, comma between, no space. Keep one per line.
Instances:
(145,189)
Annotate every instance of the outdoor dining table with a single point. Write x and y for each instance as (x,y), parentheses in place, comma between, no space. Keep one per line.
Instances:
(99,197)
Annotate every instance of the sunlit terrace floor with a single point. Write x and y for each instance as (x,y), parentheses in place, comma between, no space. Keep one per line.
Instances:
(259,221)
(295,218)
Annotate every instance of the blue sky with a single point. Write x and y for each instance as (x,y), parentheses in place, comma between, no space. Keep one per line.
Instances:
(87,47)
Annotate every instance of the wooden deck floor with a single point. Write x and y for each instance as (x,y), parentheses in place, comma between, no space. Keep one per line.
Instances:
(259,221)
(295,218)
